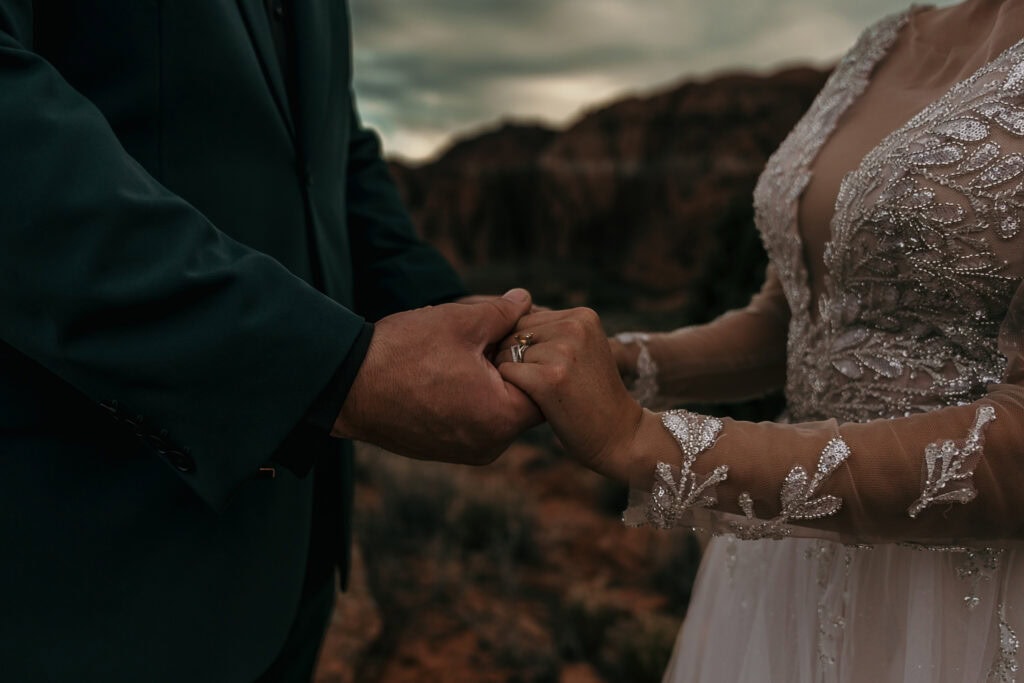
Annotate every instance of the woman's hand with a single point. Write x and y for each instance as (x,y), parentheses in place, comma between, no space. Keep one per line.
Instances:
(625,356)
(568,369)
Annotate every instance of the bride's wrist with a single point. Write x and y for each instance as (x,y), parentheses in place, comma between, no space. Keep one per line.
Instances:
(648,443)
(637,366)
(625,356)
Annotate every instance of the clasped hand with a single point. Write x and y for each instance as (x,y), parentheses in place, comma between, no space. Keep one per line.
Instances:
(438,383)
(429,388)
(569,371)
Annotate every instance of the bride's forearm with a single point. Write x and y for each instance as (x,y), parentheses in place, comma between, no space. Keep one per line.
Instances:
(938,477)
(739,355)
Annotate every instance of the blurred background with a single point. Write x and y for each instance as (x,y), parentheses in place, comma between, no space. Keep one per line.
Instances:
(600,153)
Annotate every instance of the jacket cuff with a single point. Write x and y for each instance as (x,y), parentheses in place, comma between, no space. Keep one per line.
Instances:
(319,419)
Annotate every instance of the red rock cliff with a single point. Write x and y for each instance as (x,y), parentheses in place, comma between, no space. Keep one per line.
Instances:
(645,197)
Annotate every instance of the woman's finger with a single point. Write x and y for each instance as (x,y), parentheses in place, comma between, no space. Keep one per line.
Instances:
(566,332)
(544,353)
(574,324)
(532,379)
(535,318)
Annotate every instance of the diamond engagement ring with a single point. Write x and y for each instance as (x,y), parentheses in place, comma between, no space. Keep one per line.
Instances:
(524,339)
(518,349)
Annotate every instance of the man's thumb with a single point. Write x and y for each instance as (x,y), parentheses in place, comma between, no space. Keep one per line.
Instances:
(518,296)
(513,305)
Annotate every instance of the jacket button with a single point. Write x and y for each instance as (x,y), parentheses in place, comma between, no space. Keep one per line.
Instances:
(181,461)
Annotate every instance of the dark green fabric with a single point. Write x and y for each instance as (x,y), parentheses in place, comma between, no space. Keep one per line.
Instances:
(184,264)
(296,662)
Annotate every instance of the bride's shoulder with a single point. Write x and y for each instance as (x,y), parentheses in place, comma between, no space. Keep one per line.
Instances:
(884,32)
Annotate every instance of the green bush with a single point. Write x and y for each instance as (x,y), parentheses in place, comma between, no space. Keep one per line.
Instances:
(638,649)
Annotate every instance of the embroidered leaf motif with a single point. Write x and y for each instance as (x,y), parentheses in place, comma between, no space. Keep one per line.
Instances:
(964,130)
(671,499)
(821,507)
(947,478)
(1003,170)
(796,497)
(981,157)
(957,496)
(942,155)
(884,367)
(1015,78)
(794,488)
(835,454)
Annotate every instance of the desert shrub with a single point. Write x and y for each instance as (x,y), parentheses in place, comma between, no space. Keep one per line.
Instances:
(612,497)
(675,562)
(581,622)
(527,653)
(638,649)
(414,500)
(493,518)
(443,515)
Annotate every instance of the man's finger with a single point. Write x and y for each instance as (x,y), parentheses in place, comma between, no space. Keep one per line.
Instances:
(497,317)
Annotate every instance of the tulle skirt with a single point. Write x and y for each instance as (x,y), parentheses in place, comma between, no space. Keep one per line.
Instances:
(812,611)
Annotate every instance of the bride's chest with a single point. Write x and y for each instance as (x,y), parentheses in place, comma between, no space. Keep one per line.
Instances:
(928,218)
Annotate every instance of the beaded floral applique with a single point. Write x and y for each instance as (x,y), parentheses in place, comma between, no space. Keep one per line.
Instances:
(798,497)
(670,498)
(978,566)
(947,475)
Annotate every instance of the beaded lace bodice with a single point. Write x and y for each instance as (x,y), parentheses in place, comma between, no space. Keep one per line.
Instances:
(924,253)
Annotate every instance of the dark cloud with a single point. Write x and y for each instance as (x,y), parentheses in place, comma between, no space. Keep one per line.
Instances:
(429,68)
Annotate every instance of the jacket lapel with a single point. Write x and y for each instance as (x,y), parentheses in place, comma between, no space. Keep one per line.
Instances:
(257,22)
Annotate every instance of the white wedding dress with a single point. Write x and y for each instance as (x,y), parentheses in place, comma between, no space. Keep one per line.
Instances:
(880,541)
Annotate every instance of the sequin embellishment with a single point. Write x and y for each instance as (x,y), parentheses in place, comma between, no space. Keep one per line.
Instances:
(978,566)
(947,474)
(1005,667)
(797,497)
(671,499)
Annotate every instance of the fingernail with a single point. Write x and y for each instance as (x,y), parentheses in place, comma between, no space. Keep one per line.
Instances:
(516,294)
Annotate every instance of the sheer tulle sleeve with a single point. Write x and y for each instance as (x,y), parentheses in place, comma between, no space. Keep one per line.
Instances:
(739,355)
(952,475)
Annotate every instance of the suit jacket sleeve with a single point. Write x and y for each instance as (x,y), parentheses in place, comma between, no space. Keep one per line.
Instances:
(394,269)
(130,295)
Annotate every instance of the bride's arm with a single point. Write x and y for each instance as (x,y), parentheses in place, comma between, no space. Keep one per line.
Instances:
(951,474)
(739,355)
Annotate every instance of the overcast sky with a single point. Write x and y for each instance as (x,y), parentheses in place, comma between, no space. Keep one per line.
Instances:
(426,69)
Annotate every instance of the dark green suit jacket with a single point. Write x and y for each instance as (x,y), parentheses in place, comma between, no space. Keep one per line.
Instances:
(186,258)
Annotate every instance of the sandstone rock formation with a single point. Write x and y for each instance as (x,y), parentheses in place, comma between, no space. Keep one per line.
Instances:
(634,202)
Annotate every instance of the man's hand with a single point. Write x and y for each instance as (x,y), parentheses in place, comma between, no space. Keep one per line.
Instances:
(429,390)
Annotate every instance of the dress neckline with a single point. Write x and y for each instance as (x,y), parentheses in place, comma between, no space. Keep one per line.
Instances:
(878,150)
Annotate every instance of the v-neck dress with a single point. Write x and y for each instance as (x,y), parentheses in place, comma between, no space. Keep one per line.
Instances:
(873,534)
